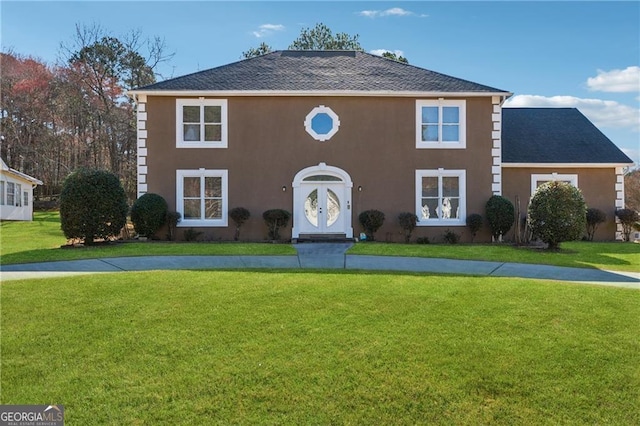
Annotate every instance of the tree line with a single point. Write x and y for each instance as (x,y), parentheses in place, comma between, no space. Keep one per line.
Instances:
(58,118)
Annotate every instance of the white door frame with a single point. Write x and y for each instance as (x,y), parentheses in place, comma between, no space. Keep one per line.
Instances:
(343,186)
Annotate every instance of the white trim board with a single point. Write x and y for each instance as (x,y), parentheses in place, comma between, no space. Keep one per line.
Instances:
(565,165)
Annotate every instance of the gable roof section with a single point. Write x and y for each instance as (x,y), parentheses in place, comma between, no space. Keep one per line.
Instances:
(20,175)
(319,71)
(555,135)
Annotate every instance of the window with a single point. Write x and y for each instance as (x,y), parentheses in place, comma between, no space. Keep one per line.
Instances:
(11,194)
(201,123)
(25,198)
(322,123)
(2,193)
(440,124)
(441,197)
(201,197)
(18,193)
(537,180)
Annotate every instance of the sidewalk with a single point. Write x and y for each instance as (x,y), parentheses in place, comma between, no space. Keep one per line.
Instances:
(320,256)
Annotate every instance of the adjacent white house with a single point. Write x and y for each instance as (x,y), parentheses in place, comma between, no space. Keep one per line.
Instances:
(16,194)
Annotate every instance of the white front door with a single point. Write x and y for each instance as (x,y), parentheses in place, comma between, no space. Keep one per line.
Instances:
(323,208)
(322,202)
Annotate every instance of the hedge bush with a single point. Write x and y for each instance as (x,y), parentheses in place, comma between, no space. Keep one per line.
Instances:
(93,205)
(371,221)
(500,215)
(628,218)
(149,213)
(276,219)
(594,218)
(474,223)
(557,212)
(239,215)
(408,222)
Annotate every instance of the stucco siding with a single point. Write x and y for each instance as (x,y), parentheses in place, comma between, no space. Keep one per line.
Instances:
(597,186)
(268,145)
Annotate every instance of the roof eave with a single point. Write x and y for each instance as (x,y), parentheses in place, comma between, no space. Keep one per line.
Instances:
(565,165)
(368,93)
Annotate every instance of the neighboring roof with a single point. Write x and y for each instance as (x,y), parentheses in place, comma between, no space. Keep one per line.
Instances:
(320,70)
(5,168)
(555,135)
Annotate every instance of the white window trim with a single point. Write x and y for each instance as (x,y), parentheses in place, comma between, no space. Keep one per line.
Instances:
(201,102)
(201,173)
(461,144)
(11,192)
(535,178)
(2,192)
(440,173)
(25,198)
(322,110)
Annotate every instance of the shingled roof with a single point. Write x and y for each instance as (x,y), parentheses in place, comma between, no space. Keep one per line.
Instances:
(326,71)
(555,135)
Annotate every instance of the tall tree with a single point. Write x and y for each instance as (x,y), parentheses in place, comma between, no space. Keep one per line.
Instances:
(321,37)
(103,67)
(632,190)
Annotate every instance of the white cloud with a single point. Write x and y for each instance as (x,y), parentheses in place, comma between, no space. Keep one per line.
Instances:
(266,29)
(394,11)
(380,52)
(626,80)
(602,113)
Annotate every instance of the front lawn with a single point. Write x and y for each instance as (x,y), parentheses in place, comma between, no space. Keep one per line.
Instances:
(321,348)
(40,241)
(614,256)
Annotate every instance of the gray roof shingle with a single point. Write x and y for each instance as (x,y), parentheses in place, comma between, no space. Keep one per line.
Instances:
(555,135)
(311,70)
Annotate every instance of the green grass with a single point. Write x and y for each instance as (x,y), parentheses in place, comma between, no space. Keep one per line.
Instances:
(615,256)
(333,348)
(40,241)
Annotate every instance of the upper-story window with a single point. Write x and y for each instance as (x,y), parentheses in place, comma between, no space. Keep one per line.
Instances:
(440,124)
(322,123)
(201,123)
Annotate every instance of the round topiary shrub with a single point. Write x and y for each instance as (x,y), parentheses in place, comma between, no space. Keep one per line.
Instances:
(371,221)
(239,215)
(500,215)
(557,212)
(594,218)
(628,218)
(275,219)
(93,205)
(474,223)
(148,214)
(408,222)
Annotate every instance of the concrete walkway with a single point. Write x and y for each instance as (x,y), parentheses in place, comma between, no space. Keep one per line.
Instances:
(321,256)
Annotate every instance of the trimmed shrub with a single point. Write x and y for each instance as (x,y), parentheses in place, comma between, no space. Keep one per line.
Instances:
(93,205)
(239,215)
(474,223)
(408,223)
(172,222)
(192,235)
(627,218)
(557,212)
(594,218)
(451,237)
(500,215)
(371,221)
(423,240)
(276,219)
(148,214)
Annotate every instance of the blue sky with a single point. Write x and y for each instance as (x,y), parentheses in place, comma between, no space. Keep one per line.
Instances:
(569,54)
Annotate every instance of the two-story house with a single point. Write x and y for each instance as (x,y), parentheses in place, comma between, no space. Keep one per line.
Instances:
(329,134)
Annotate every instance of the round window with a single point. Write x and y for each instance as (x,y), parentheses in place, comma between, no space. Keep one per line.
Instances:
(322,123)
